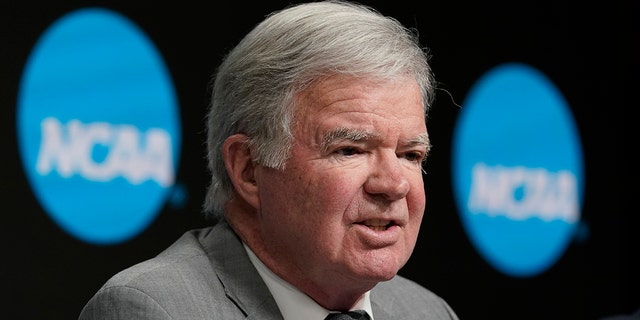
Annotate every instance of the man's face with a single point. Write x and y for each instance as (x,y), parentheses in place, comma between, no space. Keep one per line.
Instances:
(348,206)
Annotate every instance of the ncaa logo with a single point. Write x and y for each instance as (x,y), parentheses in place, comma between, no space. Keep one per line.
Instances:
(517,170)
(98,126)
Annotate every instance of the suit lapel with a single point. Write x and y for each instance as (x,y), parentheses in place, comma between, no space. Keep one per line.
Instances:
(380,311)
(242,283)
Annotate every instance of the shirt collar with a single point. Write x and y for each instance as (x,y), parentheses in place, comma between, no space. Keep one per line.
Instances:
(292,302)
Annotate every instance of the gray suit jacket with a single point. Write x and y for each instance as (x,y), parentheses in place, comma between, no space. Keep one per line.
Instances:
(206,274)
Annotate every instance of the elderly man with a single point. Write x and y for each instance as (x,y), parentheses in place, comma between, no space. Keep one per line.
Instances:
(316,141)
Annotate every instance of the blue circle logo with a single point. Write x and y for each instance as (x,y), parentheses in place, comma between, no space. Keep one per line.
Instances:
(98,126)
(517,170)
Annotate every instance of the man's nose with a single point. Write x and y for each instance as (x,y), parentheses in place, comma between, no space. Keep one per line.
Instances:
(387,177)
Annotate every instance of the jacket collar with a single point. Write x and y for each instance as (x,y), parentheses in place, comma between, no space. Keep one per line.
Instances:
(241,281)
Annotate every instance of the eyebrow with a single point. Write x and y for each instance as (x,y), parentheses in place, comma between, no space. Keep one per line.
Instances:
(342,134)
(421,140)
(356,135)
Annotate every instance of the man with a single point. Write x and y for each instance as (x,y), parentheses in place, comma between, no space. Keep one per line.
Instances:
(316,140)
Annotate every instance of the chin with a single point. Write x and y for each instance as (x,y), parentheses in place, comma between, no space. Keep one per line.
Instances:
(379,273)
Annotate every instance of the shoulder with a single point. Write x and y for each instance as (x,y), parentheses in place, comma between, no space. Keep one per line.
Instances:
(183,260)
(176,279)
(401,295)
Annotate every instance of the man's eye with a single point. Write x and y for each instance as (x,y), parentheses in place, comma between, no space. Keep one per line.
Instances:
(347,151)
(414,156)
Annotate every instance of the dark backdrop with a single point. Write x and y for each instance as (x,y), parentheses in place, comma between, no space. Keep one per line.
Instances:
(588,50)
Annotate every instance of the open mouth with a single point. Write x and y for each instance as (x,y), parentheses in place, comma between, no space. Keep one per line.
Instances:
(378,224)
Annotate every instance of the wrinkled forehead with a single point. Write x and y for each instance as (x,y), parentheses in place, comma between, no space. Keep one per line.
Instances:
(337,87)
(370,106)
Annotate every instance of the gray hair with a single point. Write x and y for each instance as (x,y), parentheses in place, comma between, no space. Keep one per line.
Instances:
(254,86)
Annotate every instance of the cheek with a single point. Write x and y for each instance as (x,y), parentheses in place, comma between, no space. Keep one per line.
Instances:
(307,193)
(328,195)
(339,193)
(281,197)
(416,201)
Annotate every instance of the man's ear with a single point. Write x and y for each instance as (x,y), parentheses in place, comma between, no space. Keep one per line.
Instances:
(240,167)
